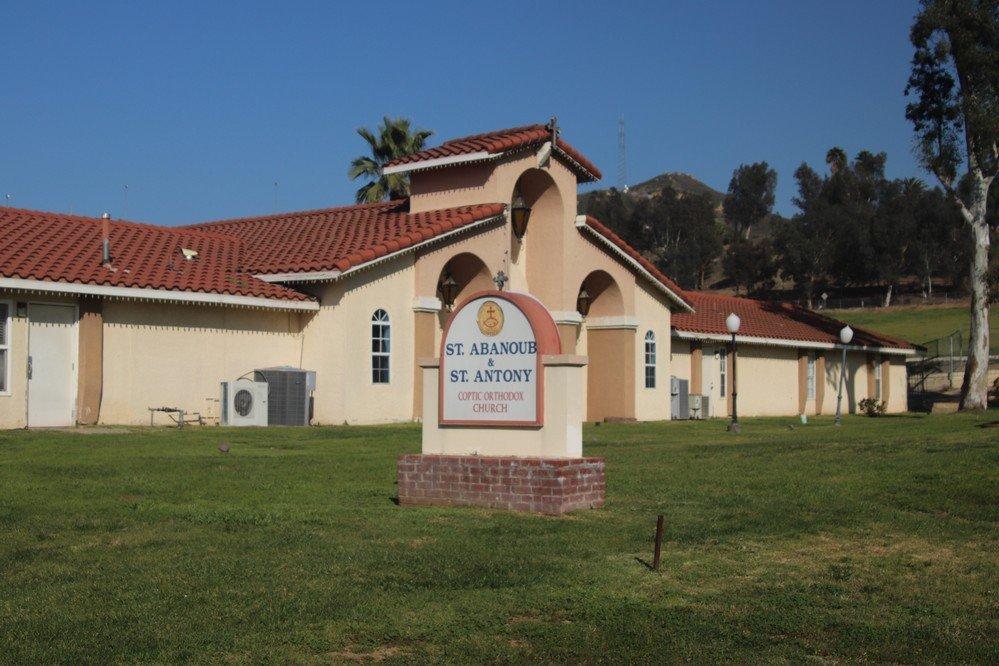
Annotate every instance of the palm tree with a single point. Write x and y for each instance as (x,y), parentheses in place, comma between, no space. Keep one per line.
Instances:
(392,140)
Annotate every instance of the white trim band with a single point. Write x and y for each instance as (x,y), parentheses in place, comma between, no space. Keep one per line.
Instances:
(438,162)
(621,321)
(427,304)
(778,342)
(581,224)
(141,293)
(567,317)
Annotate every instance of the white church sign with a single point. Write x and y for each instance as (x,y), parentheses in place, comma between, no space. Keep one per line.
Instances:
(490,364)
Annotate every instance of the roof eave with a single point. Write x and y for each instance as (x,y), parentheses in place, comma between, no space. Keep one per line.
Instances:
(440,162)
(146,293)
(676,298)
(786,342)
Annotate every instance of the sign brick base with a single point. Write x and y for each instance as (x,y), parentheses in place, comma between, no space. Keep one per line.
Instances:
(543,485)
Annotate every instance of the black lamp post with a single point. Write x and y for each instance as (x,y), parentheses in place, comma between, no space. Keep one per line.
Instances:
(520,214)
(732,323)
(449,291)
(583,301)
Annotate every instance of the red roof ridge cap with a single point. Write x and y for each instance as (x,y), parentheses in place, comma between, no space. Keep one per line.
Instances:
(392,203)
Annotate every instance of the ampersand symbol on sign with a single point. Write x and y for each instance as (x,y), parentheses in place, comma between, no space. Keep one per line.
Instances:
(491,363)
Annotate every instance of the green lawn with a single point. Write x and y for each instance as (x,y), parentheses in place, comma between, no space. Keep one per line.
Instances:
(876,541)
(918,324)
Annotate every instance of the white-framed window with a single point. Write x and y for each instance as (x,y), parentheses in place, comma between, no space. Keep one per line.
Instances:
(381,346)
(810,385)
(877,380)
(5,314)
(650,360)
(723,372)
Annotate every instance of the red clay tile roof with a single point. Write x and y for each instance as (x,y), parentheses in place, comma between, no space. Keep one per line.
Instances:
(501,141)
(762,319)
(54,247)
(597,226)
(339,238)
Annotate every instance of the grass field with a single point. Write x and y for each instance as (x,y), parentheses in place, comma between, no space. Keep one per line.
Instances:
(918,324)
(876,541)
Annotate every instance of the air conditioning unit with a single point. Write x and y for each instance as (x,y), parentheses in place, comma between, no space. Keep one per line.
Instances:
(289,394)
(244,403)
(697,403)
(679,405)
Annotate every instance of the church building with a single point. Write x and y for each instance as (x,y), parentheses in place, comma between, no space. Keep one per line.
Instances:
(102,319)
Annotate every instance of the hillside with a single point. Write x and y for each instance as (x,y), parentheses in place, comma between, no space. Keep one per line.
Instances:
(681,182)
(918,324)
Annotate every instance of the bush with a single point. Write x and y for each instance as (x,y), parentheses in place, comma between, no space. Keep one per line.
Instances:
(872,407)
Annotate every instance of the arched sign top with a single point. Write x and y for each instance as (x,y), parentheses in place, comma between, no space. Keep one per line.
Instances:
(490,360)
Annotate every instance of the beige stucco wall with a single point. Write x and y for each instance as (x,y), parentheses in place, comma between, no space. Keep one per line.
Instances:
(13,406)
(653,315)
(768,379)
(159,354)
(337,345)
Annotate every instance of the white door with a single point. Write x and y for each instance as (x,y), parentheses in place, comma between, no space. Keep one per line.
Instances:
(51,364)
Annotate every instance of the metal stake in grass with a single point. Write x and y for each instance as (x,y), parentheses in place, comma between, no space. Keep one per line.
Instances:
(659,543)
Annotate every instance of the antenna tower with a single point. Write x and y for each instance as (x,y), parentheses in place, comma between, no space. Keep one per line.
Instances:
(622,157)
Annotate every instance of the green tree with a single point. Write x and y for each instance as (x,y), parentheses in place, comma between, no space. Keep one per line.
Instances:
(803,243)
(750,197)
(750,264)
(938,240)
(393,139)
(955,115)
(681,234)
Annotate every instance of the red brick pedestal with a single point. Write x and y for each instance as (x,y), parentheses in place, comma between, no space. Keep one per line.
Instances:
(544,485)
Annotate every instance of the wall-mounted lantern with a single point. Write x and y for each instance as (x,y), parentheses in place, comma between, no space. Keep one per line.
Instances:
(448,289)
(583,301)
(520,214)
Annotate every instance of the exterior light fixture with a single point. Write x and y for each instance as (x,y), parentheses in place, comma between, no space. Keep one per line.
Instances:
(520,214)
(846,337)
(732,324)
(448,289)
(583,302)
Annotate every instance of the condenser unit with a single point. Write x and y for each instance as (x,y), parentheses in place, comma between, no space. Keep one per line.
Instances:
(289,393)
(679,405)
(697,403)
(244,403)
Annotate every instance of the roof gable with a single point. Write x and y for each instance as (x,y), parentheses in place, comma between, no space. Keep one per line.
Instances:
(636,260)
(491,145)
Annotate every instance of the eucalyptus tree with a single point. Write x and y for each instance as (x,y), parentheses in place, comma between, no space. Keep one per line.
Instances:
(393,139)
(955,114)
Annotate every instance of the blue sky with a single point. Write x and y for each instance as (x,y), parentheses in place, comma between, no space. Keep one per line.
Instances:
(200,107)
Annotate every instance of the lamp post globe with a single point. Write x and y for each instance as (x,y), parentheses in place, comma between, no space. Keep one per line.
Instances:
(732,323)
(846,337)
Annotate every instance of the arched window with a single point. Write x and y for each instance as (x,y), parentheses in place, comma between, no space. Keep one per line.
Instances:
(650,360)
(381,339)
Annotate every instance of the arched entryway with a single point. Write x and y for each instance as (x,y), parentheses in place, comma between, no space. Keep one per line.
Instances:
(538,255)
(462,275)
(610,348)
